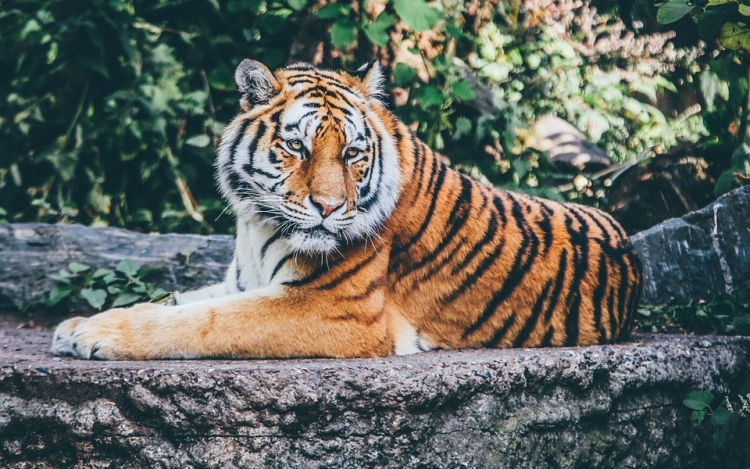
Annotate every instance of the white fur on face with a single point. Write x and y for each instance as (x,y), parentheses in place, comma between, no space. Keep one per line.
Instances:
(252,182)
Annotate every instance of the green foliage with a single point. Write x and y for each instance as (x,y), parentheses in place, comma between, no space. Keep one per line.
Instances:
(725,20)
(113,108)
(731,421)
(724,314)
(724,80)
(81,287)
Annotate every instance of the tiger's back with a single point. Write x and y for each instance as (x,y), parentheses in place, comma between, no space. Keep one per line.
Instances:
(355,240)
(500,269)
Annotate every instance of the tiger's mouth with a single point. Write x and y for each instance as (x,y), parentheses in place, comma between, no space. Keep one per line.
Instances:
(314,239)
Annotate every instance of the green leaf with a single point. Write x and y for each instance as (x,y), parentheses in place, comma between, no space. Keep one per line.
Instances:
(102,272)
(95,298)
(463,127)
(343,33)
(199,141)
(711,87)
(721,416)
(429,96)
(298,5)
(699,400)
(403,74)
(735,36)
(77,268)
(672,11)
(416,14)
(697,416)
(462,90)
(333,11)
(129,267)
(57,294)
(377,31)
(124,299)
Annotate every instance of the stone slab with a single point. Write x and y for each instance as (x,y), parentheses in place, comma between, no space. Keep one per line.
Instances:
(602,406)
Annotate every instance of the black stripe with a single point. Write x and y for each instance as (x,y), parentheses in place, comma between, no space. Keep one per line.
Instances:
(612,318)
(547,339)
(237,140)
(280,264)
(522,263)
(545,224)
(266,174)
(430,211)
(580,264)
(598,298)
(248,167)
(500,332)
(472,278)
(268,244)
(489,235)
(347,273)
(371,288)
(533,319)
(237,275)
(458,216)
(554,299)
(314,275)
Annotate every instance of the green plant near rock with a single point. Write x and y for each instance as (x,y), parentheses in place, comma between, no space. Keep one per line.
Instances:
(81,287)
(723,314)
(730,417)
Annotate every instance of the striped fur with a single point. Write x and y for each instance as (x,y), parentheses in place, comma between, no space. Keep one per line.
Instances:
(354,239)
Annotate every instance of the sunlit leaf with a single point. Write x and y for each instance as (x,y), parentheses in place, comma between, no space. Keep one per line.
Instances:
(298,5)
(416,14)
(403,74)
(377,31)
(124,299)
(77,267)
(95,298)
(129,267)
(462,90)
(735,36)
(429,96)
(698,400)
(201,141)
(672,11)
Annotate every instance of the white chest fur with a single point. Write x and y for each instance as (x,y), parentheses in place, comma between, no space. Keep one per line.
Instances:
(261,257)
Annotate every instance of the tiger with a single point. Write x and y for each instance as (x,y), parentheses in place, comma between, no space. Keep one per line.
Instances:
(355,240)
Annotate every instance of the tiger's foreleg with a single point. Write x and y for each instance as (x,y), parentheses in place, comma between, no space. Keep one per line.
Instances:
(272,322)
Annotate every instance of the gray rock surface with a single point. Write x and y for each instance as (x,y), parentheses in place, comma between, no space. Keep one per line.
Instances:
(30,253)
(701,254)
(607,406)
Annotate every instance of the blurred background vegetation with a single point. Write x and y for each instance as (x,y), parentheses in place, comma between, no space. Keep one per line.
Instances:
(110,110)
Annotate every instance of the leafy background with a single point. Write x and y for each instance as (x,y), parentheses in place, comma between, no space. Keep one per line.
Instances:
(111,109)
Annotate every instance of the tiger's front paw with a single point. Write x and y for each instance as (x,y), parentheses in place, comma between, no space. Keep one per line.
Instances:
(112,335)
(62,343)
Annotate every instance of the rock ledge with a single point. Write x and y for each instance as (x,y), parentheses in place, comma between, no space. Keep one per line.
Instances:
(604,406)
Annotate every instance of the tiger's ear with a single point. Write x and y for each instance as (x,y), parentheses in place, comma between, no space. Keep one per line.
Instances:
(256,83)
(371,75)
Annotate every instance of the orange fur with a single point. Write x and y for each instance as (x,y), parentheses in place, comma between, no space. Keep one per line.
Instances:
(454,265)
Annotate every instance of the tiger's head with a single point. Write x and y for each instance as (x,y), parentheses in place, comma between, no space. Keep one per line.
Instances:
(310,155)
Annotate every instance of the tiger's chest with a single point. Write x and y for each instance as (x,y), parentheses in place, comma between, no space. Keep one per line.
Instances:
(262,257)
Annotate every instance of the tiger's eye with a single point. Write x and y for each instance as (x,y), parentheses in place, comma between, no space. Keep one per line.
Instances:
(352,152)
(295,144)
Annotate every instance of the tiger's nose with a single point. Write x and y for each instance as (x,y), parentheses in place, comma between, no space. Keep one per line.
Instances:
(326,207)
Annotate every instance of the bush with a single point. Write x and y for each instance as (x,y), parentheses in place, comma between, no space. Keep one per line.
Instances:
(114,107)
